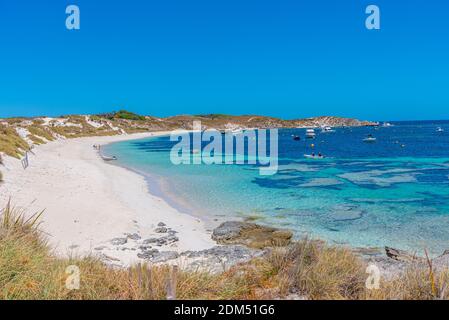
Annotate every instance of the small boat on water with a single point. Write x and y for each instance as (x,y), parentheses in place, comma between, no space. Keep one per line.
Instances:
(369,139)
(387,124)
(310,133)
(439,129)
(327,129)
(296,138)
(314,156)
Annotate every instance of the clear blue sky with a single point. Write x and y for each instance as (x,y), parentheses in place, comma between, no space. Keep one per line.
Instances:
(286,58)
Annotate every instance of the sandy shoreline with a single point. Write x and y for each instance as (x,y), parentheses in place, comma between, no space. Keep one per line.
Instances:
(88,202)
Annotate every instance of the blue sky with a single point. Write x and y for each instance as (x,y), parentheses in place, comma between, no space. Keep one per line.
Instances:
(286,58)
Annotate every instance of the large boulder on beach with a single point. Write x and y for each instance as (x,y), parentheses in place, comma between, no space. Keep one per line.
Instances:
(251,235)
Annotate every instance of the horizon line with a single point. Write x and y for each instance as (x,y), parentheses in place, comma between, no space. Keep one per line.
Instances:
(211,114)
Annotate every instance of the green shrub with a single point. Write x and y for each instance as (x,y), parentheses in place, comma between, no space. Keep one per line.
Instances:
(123,114)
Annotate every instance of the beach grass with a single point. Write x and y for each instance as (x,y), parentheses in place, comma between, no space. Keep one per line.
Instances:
(11,143)
(1,163)
(36,140)
(40,132)
(307,269)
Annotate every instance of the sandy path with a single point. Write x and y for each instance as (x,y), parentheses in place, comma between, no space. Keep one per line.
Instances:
(88,202)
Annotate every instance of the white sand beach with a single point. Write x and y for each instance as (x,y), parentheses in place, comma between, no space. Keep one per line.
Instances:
(89,202)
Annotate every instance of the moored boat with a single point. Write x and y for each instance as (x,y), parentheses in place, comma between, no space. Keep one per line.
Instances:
(369,139)
(327,129)
(310,133)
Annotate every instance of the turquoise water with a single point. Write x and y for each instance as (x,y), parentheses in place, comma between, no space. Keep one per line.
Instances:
(393,192)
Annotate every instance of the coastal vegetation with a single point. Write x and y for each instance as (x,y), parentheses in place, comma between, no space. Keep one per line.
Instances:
(11,143)
(306,269)
(123,114)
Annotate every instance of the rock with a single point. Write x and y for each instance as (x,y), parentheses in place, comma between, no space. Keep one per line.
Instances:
(166,240)
(119,241)
(161,230)
(251,235)
(150,240)
(401,255)
(441,262)
(155,256)
(161,224)
(164,256)
(100,248)
(133,236)
(148,254)
(220,258)
(107,258)
(171,239)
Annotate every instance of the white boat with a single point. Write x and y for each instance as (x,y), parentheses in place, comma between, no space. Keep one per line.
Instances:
(310,133)
(106,158)
(236,131)
(387,124)
(439,129)
(327,129)
(369,138)
(311,156)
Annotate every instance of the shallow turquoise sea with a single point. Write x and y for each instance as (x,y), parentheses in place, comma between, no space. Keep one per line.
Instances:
(393,192)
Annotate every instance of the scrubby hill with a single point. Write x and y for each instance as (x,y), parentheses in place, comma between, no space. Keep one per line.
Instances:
(17,135)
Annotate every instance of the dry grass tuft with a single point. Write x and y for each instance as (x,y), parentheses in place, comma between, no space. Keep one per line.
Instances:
(319,271)
(11,143)
(40,132)
(414,284)
(308,268)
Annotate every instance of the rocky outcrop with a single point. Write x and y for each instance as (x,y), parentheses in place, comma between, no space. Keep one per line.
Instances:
(219,258)
(401,255)
(251,235)
(156,256)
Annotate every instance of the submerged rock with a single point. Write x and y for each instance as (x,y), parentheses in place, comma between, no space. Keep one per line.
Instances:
(251,235)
